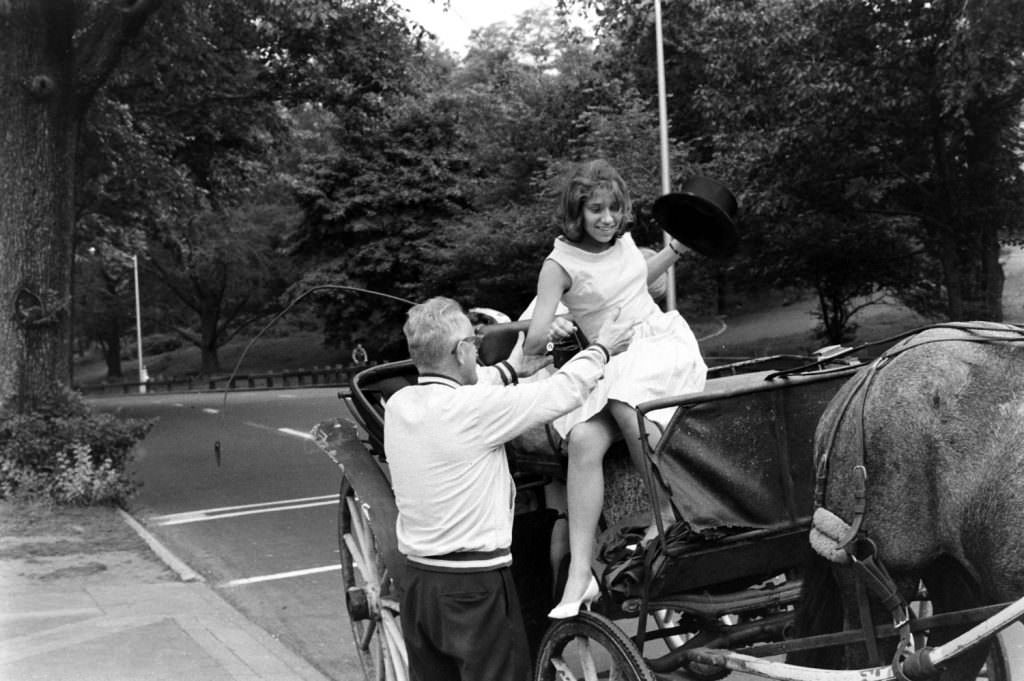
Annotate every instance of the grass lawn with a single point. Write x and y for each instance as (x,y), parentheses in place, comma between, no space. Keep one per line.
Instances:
(300,350)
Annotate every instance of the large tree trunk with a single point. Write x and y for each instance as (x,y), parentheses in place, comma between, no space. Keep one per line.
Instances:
(37,141)
(49,70)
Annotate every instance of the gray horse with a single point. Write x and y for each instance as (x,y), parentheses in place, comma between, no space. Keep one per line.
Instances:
(938,425)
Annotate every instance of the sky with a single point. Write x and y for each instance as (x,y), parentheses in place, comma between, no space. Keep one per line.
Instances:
(453,27)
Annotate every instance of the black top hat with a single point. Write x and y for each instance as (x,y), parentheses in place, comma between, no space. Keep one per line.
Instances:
(702,216)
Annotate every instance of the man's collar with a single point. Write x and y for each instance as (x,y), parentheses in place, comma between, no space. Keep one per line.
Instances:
(438,379)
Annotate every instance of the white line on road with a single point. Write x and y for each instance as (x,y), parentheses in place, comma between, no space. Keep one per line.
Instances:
(284,431)
(280,575)
(208,410)
(296,433)
(247,509)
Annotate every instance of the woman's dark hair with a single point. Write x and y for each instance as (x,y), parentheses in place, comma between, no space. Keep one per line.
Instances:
(585,179)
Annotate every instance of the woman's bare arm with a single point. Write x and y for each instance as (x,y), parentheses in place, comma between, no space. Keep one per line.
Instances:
(552,282)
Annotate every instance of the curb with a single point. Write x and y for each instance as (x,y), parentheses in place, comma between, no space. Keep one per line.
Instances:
(722,328)
(185,573)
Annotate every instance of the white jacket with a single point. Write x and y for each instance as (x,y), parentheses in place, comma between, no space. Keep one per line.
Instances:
(445,445)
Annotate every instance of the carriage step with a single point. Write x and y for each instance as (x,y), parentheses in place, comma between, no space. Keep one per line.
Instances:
(713,606)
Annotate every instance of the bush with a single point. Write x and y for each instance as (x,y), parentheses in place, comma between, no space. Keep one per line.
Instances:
(56,447)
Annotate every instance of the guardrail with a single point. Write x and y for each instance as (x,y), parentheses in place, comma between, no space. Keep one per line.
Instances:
(317,376)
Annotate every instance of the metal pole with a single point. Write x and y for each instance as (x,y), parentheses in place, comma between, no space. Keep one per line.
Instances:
(666,178)
(138,325)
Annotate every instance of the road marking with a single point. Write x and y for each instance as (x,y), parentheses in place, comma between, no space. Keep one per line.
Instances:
(284,431)
(209,410)
(280,575)
(296,433)
(246,509)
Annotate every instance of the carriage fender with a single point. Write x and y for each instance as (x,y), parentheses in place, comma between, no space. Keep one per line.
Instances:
(373,492)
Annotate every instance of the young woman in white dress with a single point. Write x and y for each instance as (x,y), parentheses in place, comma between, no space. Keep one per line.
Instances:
(596,270)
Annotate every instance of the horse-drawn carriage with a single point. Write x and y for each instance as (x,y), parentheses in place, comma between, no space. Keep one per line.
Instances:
(723,587)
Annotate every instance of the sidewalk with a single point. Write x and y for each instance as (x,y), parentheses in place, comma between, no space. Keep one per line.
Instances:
(85,598)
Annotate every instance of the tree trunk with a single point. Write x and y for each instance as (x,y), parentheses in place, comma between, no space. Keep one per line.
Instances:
(37,107)
(972,275)
(209,316)
(984,149)
(111,343)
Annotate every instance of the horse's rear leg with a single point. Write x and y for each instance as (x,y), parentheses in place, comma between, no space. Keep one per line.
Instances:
(950,588)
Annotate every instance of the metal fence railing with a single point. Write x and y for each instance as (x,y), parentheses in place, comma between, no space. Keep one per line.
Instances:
(337,375)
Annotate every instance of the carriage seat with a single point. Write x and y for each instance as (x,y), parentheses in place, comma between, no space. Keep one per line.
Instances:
(740,453)
(738,463)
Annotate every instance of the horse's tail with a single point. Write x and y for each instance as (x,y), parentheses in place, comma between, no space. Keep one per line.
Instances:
(820,612)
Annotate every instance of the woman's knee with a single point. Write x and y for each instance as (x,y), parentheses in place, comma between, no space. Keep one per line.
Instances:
(589,441)
(625,418)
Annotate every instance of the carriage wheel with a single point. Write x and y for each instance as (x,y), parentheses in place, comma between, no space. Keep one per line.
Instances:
(996,666)
(587,648)
(372,607)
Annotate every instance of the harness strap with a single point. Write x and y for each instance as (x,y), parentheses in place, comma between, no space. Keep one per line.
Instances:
(878,580)
(860,482)
(873,577)
(867,623)
(858,390)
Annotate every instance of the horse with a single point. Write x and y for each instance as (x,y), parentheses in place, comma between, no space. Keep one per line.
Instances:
(937,425)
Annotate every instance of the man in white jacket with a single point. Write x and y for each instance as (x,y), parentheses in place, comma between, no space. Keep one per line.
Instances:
(445,442)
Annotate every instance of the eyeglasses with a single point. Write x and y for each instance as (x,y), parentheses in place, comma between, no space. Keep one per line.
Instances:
(476,340)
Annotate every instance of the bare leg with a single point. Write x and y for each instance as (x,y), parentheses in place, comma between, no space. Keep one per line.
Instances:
(588,443)
(625,418)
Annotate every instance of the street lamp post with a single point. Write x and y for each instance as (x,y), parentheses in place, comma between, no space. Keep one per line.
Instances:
(666,176)
(143,376)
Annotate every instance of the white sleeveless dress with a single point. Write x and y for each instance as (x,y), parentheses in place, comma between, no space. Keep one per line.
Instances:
(663,359)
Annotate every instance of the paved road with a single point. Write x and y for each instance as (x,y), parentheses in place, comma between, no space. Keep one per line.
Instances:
(260,527)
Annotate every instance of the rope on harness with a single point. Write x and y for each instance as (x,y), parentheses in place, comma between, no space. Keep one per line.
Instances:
(827,533)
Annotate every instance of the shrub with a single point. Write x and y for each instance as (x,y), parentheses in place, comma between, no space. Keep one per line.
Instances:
(55,446)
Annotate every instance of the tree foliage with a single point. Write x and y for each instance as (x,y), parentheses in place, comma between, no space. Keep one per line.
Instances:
(874,145)
(893,122)
(207,101)
(434,196)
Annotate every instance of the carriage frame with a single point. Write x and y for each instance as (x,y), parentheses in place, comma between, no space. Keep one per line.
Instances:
(712,602)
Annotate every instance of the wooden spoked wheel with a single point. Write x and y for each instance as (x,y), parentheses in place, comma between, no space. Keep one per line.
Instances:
(369,595)
(587,648)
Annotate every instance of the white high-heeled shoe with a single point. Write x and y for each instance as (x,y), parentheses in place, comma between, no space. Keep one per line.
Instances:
(568,609)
